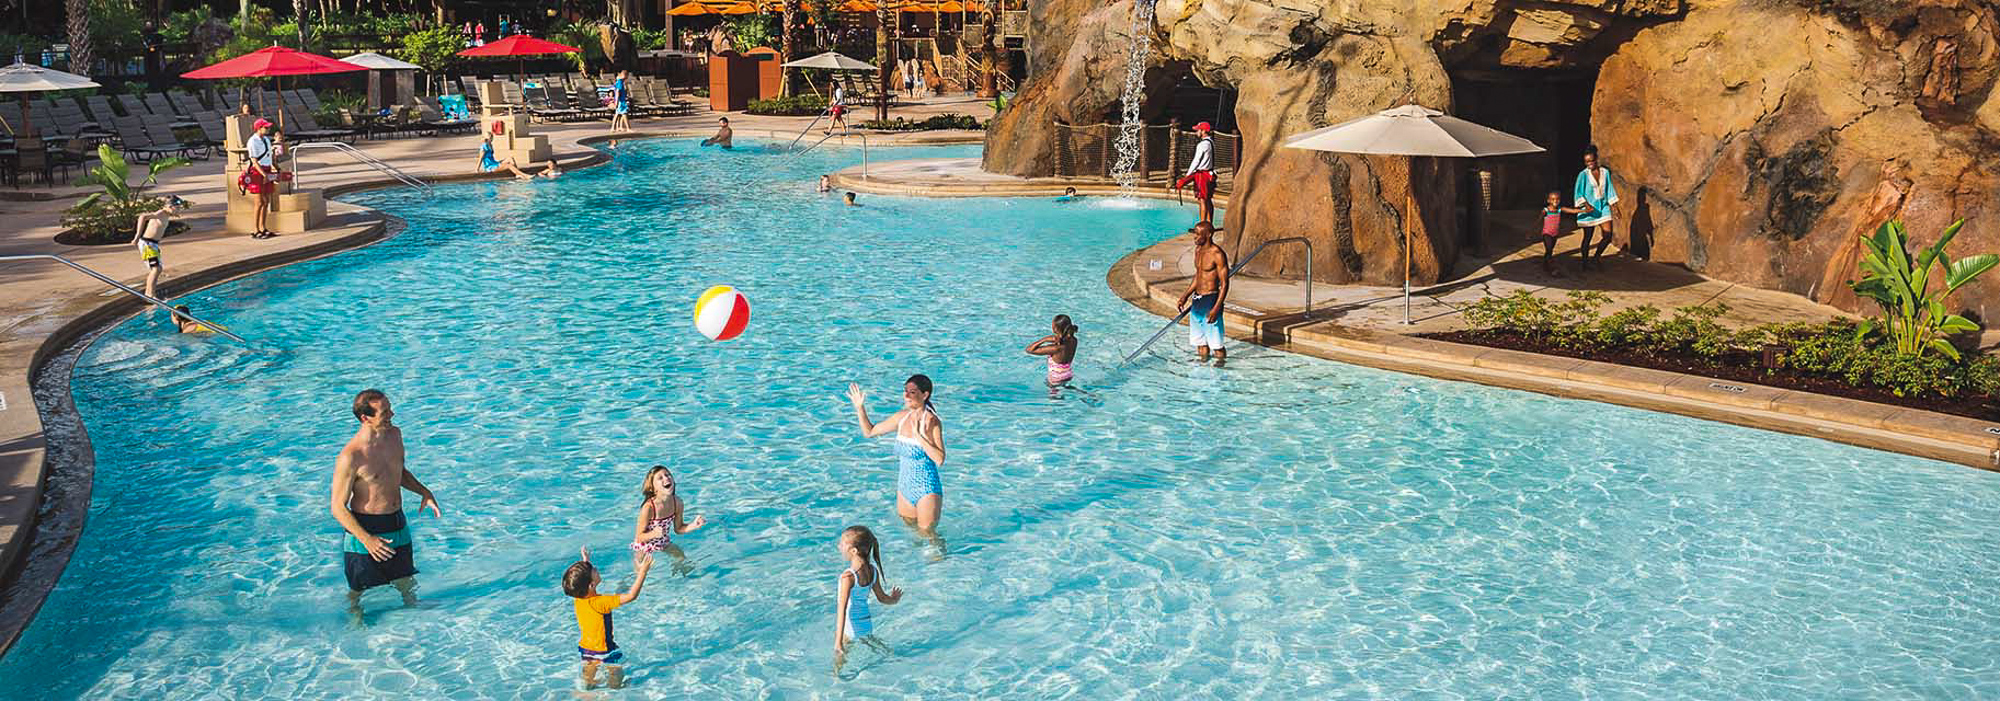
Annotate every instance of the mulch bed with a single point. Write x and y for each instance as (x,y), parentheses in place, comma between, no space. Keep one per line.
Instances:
(72,237)
(1740,367)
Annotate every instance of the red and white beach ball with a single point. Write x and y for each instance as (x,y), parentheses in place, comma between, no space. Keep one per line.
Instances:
(721,313)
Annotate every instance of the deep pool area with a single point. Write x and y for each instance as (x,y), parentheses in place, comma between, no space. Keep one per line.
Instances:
(1284,527)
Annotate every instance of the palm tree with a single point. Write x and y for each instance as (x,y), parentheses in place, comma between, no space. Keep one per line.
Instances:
(791,16)
(882,20)
(79,36)
(299,14)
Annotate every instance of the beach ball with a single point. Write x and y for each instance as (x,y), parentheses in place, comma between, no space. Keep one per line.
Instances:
(721,313)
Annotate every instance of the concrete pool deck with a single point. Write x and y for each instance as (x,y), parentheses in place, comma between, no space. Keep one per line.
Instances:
(1363,324)
(46,308)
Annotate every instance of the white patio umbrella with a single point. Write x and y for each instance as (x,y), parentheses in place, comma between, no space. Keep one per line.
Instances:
(23,78)
(832,61)
(397,71)
(1412,130)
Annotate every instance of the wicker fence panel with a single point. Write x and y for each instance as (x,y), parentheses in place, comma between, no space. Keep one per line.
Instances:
(1090,151)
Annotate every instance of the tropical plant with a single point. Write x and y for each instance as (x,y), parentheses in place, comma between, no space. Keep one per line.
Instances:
(109,216)
(1914,315)
(112,174)
(788,28)
(749,31)
(582,35)
(435,48)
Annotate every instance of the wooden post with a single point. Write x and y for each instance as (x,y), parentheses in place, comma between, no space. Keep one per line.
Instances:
(1145,171)
(1173,148)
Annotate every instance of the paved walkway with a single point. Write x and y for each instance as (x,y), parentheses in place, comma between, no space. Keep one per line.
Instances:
(42,301)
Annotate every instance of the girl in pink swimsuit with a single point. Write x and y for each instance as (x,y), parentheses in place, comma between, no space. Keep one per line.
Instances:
(1552,214)
(1059,347)
(660,516)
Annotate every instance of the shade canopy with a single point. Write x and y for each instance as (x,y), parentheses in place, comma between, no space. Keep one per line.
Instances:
(273,61)
(22,77)
(831,60)
(520,45)
(377,62)
(1412,130)
(692,9)
(741,8)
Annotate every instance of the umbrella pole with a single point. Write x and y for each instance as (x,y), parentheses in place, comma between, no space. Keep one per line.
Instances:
(27,119)
(1410,211)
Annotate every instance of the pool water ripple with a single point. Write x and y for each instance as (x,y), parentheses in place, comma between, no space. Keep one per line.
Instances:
(1282,528)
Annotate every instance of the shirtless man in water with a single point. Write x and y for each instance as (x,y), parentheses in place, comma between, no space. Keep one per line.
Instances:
(723,135)
(368,483)
(1205,294)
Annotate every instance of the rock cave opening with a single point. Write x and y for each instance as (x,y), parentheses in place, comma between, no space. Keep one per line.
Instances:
(1548,106)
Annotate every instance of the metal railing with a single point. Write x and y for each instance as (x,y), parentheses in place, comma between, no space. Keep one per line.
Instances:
(361,157)
(843,134)
(218,328)
(1232,273)
(1089,150)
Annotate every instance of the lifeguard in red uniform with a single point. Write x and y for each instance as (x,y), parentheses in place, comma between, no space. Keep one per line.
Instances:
(1201,173)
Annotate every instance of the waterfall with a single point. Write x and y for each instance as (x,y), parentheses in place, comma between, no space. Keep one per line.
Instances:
(1130,129)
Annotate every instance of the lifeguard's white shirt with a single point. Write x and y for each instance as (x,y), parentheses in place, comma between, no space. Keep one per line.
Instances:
(1204,158)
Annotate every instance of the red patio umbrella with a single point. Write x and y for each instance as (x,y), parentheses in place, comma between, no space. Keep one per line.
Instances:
(520,45)
(274,62)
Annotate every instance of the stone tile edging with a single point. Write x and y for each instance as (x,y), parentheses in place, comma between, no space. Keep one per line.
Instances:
(1898,429)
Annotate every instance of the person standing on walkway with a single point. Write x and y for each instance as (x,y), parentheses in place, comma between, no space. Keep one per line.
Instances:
(260,174)
(838,110)
(368,482)
(621,98)
(1595,195)
(1205,295)
(1201,173)
(153,227)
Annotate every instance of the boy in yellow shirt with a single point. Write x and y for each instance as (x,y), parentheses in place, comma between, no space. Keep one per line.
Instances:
(593,618)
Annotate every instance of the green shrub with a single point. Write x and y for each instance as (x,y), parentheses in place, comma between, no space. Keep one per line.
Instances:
(942,121)
(1625,327)
(435,49)
(107,220)
(794,106)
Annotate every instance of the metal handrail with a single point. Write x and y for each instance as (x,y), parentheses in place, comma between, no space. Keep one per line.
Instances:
(1232,273)
(843,135)
(114,283)
(363,158)
(809,127)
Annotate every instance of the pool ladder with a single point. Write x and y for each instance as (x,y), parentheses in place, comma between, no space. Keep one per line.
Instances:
(843,135)
(1232,273)
(218,328)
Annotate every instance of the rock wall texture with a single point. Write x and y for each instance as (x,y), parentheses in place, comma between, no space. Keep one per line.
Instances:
(1752,155)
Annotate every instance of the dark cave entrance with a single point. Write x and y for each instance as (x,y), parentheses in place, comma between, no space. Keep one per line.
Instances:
(1550,107)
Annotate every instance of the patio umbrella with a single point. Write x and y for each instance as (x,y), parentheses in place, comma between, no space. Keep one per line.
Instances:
(377,62)
(1411,130)
(831,60)
(23,78)
(274,62)
(741,8)
(520,46)
(692,9)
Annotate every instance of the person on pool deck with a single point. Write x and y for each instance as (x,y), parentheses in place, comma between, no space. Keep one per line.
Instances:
(723,135)
(621,97)
(1201,173)
(838,111)
(597,642)
(260,172)
(1205,295)
(368,482)
(919,448)
(1594,193)
(1060,349)
(488,164)
(152,227)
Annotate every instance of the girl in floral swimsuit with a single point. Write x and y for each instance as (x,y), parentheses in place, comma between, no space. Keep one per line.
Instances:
(660,516)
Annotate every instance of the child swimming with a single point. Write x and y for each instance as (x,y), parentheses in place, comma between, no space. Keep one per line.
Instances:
(852,620)
(1060,349)
(593,617)
(660,516)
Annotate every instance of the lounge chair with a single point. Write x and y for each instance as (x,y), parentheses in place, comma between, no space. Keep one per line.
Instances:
(437,117)
(162,133)
(186,105)
(70,115)
(135,142)
(542,106)
(100,110)
(158,104)
(586,101)
(132,105)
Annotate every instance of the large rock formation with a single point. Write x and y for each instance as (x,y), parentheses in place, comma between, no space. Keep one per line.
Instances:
(1752,156)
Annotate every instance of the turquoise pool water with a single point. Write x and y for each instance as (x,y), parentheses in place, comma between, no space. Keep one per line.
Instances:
(1282,528)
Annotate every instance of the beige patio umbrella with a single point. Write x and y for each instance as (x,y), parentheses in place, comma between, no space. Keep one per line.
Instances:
(832,61)
(22,78)
(1412,130)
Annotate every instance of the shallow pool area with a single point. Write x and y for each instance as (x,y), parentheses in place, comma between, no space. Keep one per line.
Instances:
(1284,527)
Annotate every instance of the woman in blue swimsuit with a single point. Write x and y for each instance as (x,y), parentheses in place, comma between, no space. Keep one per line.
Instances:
(919,448)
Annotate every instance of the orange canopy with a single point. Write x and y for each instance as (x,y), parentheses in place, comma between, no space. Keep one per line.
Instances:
(692,9)
(741,8)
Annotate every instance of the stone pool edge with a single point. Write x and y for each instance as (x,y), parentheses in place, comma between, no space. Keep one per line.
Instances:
(1915,432)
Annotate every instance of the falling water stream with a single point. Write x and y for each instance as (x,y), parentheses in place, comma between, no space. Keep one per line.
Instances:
(1130,129)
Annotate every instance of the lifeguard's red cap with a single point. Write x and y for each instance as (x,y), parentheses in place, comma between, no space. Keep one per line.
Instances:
(260,124)
(1203,126)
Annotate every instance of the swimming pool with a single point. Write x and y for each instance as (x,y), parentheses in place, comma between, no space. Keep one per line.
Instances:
(1283,528)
